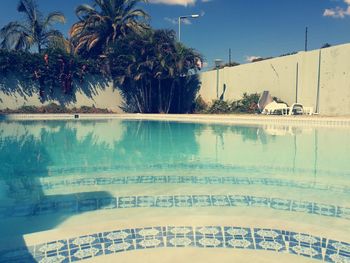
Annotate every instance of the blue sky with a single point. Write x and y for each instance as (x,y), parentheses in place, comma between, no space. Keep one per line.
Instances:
(260,28)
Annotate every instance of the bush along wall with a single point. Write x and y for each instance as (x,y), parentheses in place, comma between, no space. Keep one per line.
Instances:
(55,108)
(52,74)
(247,104)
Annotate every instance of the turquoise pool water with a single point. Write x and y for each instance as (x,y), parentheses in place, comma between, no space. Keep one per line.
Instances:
(65,175)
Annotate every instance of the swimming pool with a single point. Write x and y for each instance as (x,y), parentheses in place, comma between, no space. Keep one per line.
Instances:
(92,189)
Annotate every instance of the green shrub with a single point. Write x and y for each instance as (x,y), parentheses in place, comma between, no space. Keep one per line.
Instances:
(28,109)
(200,105)
(219,106)
(248,104)
(54,108)
(92,109)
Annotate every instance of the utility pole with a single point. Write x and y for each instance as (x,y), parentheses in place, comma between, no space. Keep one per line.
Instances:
(318,82)
(306,36)
(217,65)
(229,56)
(297,83)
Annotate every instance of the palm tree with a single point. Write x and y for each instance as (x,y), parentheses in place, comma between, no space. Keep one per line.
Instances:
(101,24)
(166,70)
(132,63)
(35,31)
(155,73)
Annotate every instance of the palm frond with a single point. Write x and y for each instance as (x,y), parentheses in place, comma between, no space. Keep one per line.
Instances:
(35,30)
(30,10)
(110,20)
(22,42)
(52,35)
(83,11)
(54,17)
(13,35)
(91,43)
(137,14)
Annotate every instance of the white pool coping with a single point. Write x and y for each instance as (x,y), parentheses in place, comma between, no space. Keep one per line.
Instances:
(195,255)
(304,120)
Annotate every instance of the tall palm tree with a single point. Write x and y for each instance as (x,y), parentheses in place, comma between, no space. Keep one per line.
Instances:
(155,73)
(132,63)
(36,30)
(102,23)
(166,67)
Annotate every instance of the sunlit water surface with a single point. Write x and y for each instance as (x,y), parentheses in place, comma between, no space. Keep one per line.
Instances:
(60,174)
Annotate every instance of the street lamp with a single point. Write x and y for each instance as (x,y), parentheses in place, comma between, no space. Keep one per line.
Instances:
(218,63)
(185,17)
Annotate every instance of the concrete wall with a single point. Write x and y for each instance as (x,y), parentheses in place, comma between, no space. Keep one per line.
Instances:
(101,94)
(279,76)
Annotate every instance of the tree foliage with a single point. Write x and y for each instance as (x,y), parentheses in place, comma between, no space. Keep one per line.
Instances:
(104,22)
(36,30)
(155,73)
(112,38)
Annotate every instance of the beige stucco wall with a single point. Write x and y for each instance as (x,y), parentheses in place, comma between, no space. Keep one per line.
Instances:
(279,76)
(101,97)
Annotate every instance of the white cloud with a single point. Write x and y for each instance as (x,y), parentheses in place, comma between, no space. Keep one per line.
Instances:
(186,21)
(171,20)
(175,21)
(178,2)
(251,58)
(338,12)
(205,64)
(174,2)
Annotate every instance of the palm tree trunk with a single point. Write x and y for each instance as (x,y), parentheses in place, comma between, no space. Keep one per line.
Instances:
(160,108)
(170,96)
(142,94)
(179,94)
(138,103)
(144,88)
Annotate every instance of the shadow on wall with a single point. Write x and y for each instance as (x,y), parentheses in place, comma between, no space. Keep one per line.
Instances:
(63,93)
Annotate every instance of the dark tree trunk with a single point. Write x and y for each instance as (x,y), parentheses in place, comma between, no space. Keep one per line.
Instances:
(160,108)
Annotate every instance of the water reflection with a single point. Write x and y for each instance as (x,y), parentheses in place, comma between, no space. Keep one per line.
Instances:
(276,149)
(56,148)
(36,149)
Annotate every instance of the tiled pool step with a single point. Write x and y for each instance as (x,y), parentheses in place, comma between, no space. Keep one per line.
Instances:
(180,166)
(226,237)
(78,181)
(48,184)
(92,203)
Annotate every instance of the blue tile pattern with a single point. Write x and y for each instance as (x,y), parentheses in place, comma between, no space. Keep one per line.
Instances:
(229,237)
(47,184)
(80,205)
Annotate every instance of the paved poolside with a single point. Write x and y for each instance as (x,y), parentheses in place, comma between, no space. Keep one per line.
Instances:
(318,120)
